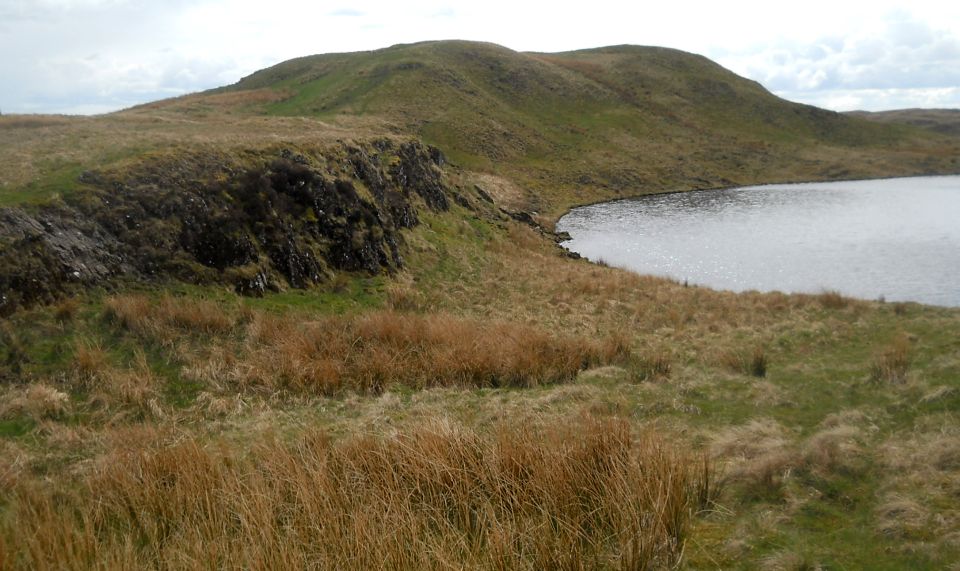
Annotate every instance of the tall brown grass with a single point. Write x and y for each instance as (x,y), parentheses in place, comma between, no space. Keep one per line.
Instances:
(141,314)
(578,494)
(365,353)
(892,362)
(36,401)
(755,364)
(371,352)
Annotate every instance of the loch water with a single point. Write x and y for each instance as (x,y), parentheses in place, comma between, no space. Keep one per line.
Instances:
(897,239)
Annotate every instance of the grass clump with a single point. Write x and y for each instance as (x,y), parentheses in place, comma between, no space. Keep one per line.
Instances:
(753,364)
(371,352)
(365,353)
(66,310)
(140,314)
(37,401)
(831,299)
(893,362)
(90,361)
(652,367)
(558,494)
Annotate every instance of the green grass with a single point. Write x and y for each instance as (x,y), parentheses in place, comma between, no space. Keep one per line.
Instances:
(346,294)
(16,427)
(566,129)
(630,111)
(58,180)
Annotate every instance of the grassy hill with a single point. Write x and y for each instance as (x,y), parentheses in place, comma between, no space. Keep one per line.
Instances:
(946,121)
(299,322)
(582,126)
(547,130)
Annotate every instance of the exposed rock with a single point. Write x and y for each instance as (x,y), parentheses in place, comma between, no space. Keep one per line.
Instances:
(204,218)
(483,193)
(524,218)
(254,286)
(417,172)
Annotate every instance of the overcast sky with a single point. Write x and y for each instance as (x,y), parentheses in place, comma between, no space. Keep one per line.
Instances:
(91,56)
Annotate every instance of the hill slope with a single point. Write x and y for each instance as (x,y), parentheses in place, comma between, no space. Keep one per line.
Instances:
(415,379)
(580,126)
(946,121)
(526,131)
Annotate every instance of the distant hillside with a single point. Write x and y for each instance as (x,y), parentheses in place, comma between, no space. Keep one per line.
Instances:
(580,126)
(538,132)
(946,121)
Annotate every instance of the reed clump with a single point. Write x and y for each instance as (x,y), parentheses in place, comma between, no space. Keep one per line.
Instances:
(654,366)
(754,363)
(371,352)
(365,353)
(143,315)
(893,362)
(581,493)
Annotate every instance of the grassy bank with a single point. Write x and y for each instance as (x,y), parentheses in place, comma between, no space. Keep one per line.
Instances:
(828,424)
(478,400)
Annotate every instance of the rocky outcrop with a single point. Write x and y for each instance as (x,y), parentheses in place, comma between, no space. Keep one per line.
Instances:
(285,220)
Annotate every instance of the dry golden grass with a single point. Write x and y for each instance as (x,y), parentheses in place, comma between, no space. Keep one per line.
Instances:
(833,300)
(893,362)
(574,494)
(922,473)
(141,314)
(90,361)
(758,451)
(66,310)
(402,296)
(762,455)
(526,280)
(364,353)
(372,352)
(754,364)
(36,401)
(135,389)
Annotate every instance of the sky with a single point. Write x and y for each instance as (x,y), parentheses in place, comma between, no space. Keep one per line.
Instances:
(95,56)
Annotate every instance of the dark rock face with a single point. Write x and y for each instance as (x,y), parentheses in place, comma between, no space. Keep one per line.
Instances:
(412,173)
(287,223)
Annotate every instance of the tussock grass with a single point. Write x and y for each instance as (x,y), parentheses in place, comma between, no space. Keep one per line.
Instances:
(402,297)
(66,310)
(763,456)
(653,366)
(364,353)
(37,401)
(90,361)
(833,300)
(759,451)
(135,389)
(570,494)
(141,314)
(371,352)
(893,362)
(918,506)
(753,364)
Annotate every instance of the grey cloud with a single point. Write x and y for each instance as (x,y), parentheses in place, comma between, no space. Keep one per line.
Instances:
(877,99)
(66,55)
(909,54)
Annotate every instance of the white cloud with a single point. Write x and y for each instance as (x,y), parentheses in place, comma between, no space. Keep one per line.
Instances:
(894,59)
(878,99)
(85,54)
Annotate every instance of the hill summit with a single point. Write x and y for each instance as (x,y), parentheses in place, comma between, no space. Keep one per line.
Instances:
(579,126)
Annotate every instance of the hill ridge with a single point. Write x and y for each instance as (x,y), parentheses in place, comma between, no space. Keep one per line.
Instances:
(582,125)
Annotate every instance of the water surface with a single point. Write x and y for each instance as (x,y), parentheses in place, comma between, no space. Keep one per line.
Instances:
(895,238)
